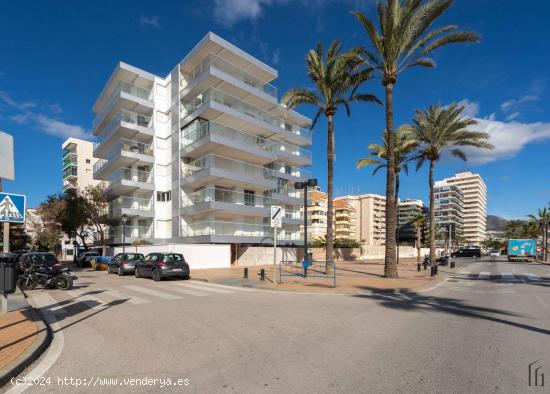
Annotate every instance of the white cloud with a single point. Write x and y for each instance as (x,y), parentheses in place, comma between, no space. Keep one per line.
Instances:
(229,12)
(512,116)
(15,104)
(471,108)
(55,108)
(149,21)
(276,57)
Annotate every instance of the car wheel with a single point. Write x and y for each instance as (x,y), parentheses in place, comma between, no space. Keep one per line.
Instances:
(156,276)
(120,271)
(136,273)
(186,277)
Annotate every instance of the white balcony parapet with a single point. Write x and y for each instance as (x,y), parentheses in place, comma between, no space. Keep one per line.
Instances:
(123,145)
(237,230)
(130,232)
(139,204)
(127,117)
(227,196)
(130,174)
(223,163)
(214,61)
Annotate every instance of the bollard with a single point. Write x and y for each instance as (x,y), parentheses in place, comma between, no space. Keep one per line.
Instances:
(246,273)
(305,272)
(435,267)
(452,264)
(418,267)
(431,270)
(425,266)
(262,274)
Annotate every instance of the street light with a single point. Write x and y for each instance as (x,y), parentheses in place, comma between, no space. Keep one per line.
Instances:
(124,220)
(304,186)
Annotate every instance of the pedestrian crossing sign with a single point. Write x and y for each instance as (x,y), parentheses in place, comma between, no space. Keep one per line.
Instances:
(12,207)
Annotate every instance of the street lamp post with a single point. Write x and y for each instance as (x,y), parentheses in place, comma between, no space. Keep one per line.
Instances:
(304,186)
(124,220)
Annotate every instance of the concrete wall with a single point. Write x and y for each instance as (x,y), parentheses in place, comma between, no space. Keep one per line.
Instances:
(347,254)
(197,255)
(260,255)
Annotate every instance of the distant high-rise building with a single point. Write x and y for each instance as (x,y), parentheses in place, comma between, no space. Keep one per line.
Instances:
(370,217)
(449,210)
(408,210)
(78,163)
(475,205)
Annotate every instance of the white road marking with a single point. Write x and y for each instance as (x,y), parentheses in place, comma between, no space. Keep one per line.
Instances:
(91,301)
(217,285)
(204,288)
(154,293)
(531,276)
(507,275)
(484,275)
(54,350)
(131,299)
(188,291)
(43,299)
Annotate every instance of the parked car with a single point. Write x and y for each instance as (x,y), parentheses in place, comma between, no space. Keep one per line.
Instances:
(162,265)
(101,263)
(124,263)
(84,259)
(494,253)
(38,258)
(470,252)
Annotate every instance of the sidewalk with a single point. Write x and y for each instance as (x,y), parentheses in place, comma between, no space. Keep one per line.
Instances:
(352,277)
(23,337)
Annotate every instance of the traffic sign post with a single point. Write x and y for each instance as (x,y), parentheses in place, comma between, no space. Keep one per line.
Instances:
(276,222)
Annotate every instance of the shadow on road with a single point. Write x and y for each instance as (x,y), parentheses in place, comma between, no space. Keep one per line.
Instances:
(419,302)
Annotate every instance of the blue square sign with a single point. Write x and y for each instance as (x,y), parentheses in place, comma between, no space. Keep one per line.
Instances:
(12,207)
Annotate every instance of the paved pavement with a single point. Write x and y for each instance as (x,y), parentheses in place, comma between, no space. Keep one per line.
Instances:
(476,332)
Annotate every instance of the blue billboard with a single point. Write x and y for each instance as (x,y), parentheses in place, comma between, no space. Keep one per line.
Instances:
(12,207)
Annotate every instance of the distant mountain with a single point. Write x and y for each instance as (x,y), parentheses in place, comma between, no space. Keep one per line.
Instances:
(495,223)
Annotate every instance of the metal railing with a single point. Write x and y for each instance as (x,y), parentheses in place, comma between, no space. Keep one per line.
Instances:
(228,196)
(70,172)
(130,174)
(220,97)
(128,117)
(223,163)
(285,169)
(139,204)
(121,87)
(214,61)
(131,232)
(237,230)
(69,159)
(123,145)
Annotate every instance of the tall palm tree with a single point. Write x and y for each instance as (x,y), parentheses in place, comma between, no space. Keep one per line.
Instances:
(541,219)
(402,41)
(336,76)
(436,130)
(513,228)
(418,222)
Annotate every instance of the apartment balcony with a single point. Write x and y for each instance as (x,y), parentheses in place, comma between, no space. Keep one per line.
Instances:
(215,199)
(212,137)
(131,233)
(124,153)
(231,232)
(214,104)
(286,171)
(70,172)
(124,96)
(227,173)
(131,206)
(215,71)
(124,181)
(125,125)
(294,216)
(69,159)
(287,195)
(292,154)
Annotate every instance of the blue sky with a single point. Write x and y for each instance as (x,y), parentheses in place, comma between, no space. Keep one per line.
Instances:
(57,55)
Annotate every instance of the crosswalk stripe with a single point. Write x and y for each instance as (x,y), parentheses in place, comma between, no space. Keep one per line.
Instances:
(188,291)
(89,300)
(484,275)
(507,275)
(154,293)
(220,286)
(204,288)
(530,276)
(131,299)
(46,302)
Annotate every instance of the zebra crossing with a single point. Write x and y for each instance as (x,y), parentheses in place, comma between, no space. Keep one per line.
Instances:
(99,297)
(503,282)
(505,276)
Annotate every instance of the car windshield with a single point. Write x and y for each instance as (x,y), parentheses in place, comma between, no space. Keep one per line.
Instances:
(133,256)
(47,259)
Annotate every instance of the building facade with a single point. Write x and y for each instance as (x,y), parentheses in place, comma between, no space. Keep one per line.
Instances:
(449,211)
(317,214)
(369,218)
(344,221)
(200,155)
(78,163)
(475,205)
(408,210)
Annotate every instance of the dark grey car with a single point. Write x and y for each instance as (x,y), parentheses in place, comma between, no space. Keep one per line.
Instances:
(162,265)
(124,263)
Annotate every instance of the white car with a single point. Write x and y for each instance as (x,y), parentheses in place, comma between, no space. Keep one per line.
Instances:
(494,253)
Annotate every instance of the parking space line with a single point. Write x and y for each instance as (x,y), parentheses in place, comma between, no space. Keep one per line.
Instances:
(154,293)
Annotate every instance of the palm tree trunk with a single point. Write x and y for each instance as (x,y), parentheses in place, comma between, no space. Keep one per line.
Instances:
(390,267)
(330,203)
(432,214)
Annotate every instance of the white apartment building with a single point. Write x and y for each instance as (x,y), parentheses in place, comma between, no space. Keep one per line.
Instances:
(408,210)
(200,155)
(78,162)
(475,205)
(449,210)
(370,218)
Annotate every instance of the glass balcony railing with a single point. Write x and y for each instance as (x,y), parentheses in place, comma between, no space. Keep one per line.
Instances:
(128,117)
(138,204)
(121,87)
(214,61)
(238,230)
(70,171)
(69,159)
(215,95)
(287,191)
(285,169)
(71,151)
(129,174)
(293,214)
(130,232)
(223,163)
(292,149)
(123,145)
(228,196)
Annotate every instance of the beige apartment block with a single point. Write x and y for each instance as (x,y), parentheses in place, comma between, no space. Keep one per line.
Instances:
(475,205)
(344,220)
(317,214)
(370,217)
(78,163)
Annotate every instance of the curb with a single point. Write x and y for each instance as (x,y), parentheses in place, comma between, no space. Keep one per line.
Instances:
(43,339)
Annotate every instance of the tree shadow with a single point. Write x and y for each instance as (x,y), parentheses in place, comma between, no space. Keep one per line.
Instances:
(418,302)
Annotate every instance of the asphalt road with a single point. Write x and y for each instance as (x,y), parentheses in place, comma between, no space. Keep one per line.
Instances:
(475,333)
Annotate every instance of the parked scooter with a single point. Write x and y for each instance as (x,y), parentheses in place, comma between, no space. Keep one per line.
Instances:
(47,277)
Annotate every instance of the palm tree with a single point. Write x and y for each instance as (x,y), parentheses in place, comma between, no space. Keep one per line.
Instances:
(418,222)
(336,76)
(542,218)
(513,228)
(404,40)
(436,130)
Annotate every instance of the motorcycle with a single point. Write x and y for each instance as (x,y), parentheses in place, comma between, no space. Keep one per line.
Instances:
(47,277)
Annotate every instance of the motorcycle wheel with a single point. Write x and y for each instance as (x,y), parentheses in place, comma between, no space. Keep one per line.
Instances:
(63,282)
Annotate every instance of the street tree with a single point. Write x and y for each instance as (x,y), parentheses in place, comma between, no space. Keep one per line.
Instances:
(541,219)
(418,222)
(403,40)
